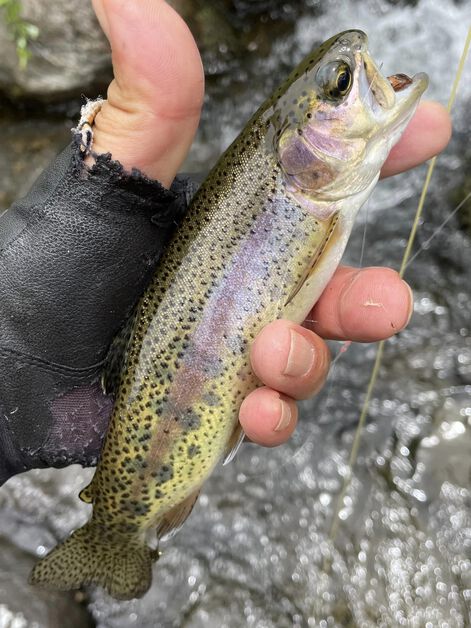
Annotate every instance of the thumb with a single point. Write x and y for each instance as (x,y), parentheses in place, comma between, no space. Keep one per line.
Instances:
(153,104)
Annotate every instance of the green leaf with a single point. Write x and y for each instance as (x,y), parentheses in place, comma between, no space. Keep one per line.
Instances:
(21,31)
(32,31)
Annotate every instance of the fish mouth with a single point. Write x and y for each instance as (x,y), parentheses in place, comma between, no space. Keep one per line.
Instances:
(395,96)
(408,88)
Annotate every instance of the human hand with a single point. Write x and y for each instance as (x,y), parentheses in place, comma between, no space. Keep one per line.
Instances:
(72,289)
(76,253)
(149,120)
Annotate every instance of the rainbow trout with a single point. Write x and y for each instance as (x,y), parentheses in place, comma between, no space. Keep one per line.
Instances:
(260,241)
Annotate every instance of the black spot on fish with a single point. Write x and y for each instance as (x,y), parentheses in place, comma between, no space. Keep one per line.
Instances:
(193,450)
(163,474)
(190,420)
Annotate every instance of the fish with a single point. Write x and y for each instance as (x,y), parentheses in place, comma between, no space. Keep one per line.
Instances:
(260,241)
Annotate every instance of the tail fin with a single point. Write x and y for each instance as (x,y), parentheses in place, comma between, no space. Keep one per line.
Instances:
(90,556)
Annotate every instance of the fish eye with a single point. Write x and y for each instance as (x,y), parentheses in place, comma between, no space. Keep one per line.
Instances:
(335,79)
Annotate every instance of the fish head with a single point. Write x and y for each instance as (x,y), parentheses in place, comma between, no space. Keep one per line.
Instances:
(336,118)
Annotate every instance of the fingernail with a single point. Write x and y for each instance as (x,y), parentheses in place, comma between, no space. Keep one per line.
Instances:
(411,302)
(301,356)
(285,417)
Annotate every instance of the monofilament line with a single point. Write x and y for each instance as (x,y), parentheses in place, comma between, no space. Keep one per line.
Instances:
(438,230)
(374,374)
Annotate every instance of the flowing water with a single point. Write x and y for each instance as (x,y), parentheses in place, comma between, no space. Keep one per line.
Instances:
(256,550)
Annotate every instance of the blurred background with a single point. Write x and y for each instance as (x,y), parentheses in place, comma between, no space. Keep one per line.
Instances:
(256,551)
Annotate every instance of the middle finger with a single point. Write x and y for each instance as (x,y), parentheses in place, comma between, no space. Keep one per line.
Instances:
(290,359)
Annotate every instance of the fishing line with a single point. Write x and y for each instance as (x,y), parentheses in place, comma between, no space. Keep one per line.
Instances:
(377,363)
(438,230)
(365,229)
(377,72)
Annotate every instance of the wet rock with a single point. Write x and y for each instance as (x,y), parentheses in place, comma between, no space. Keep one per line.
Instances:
(23,605)
(28,145)
(230,27)
(70,54)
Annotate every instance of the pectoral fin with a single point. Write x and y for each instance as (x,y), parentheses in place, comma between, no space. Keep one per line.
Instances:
(315,259)
(173,520)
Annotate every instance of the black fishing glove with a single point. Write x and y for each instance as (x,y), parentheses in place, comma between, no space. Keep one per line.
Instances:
(75,255)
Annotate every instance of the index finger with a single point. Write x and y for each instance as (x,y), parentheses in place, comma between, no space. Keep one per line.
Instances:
(364,305)
(427,134)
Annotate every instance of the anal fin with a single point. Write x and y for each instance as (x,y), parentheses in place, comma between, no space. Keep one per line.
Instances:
(173,520)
